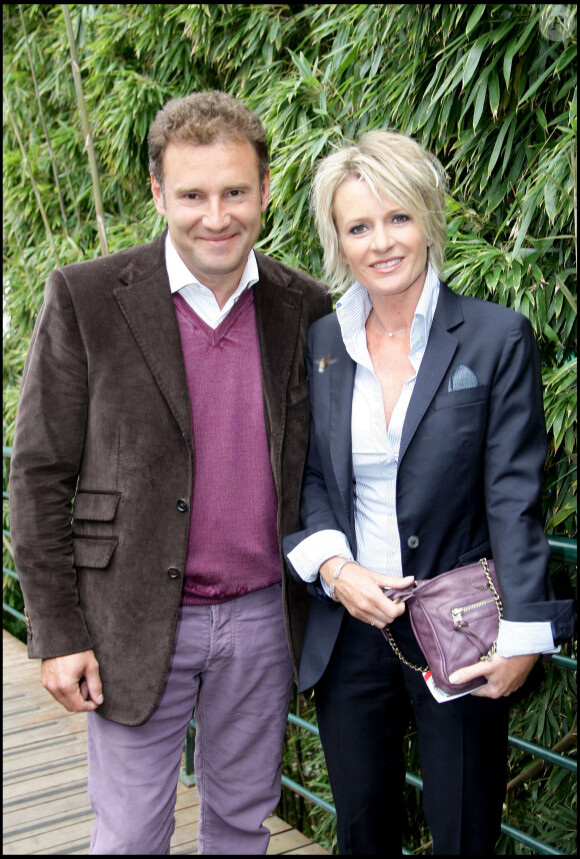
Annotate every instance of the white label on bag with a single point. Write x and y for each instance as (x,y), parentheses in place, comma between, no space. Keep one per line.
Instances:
(438,693)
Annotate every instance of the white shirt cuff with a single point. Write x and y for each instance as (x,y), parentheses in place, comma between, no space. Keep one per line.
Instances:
(517,638)
(308,556)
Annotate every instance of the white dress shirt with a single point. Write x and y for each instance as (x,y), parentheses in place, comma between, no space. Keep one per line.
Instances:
(199,297)
(375,449)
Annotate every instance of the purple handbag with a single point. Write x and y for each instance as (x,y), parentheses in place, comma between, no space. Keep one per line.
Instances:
(455,618)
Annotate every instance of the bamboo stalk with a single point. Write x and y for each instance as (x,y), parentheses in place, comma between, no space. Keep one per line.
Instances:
(43,120)
(32,180)
(7,545)
(89,145)
(537,766)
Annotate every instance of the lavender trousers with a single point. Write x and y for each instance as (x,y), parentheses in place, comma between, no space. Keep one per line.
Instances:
(230,662)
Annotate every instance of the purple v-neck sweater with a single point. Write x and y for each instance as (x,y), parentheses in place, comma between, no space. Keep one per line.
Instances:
(233,542)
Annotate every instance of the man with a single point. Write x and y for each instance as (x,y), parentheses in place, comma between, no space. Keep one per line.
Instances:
(165,398)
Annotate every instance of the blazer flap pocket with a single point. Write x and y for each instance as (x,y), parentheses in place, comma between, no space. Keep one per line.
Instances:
(96,506)
(93,551)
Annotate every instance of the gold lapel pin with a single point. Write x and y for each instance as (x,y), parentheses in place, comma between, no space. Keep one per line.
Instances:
(325,362)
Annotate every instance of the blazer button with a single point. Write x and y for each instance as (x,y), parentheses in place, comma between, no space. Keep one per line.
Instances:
(173,573)
(182,506)
(413,541)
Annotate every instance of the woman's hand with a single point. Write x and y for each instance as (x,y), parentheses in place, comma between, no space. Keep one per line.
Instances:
(361,591)
(504,674)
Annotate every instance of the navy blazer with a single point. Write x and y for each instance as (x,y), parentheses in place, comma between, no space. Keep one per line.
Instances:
(470,467)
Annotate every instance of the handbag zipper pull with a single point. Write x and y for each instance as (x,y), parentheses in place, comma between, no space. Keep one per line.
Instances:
(457,615)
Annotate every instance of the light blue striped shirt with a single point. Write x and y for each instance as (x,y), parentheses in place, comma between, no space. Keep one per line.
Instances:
(375,462)
(375,448)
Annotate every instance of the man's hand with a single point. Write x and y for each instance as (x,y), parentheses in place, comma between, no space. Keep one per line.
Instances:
(504,675)
(74,681)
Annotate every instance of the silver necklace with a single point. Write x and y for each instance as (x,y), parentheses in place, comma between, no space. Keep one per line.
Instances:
(389,333)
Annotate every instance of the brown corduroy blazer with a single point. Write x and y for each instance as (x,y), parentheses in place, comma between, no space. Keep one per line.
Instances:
(104,421)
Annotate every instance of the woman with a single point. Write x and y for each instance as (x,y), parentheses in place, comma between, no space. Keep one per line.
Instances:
(426,453)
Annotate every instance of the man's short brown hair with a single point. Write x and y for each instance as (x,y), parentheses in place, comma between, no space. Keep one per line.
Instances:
(203,118)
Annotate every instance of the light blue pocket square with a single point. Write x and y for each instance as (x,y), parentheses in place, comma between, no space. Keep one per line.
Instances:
(463,377)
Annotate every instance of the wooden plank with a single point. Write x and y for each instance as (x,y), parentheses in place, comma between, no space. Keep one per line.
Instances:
(308,848)
(46,754)
(55,841)
(47,782)
(35,797)
(276,824)
(282,842)
(52,806)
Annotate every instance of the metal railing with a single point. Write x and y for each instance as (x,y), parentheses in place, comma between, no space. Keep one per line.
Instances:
(563,549)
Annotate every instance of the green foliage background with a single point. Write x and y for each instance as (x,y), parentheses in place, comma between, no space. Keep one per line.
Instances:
(490,88)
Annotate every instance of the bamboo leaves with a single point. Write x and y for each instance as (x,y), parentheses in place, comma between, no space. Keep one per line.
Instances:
(472,62)
(475,17)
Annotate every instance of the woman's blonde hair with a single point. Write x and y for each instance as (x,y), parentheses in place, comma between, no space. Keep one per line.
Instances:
(393,166)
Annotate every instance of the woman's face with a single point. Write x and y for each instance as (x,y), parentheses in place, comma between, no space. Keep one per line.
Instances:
(384,246)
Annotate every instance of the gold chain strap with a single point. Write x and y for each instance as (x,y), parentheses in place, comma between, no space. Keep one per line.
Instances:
(394,645)
(389,636)
(498,604)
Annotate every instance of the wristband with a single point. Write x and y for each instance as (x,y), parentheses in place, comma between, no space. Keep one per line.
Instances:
(335,575)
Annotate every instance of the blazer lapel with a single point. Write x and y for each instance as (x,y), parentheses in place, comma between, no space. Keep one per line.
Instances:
(278,311)
(341,380)
(441,347)
(147,305)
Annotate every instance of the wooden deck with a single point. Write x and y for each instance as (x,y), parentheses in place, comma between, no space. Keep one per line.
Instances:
(46,809)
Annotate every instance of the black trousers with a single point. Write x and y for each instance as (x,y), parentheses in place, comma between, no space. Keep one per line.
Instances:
(363,706)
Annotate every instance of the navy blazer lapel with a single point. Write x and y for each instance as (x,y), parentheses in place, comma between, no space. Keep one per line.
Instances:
(441,347)
(341,371)
(147,304)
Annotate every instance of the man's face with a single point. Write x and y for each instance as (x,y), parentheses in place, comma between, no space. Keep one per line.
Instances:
(213,201)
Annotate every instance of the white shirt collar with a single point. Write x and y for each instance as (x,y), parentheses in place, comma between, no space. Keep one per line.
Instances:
(353,308)
(200,297)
